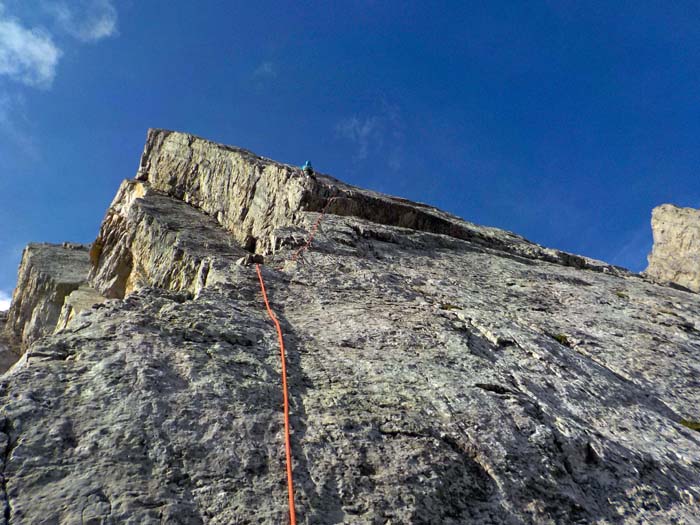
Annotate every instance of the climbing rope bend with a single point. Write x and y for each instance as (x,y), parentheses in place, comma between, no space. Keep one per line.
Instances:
(313,231)
(287,440)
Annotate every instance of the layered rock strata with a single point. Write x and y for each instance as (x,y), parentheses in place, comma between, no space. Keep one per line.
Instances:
(675,256)
(47,274)
(440,372)
(8,357)
(150,239)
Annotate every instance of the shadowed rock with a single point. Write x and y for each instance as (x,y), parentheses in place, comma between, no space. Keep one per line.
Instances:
(47,274)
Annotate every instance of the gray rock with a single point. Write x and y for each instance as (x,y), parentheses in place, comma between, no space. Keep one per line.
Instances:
(675,257)
(150,239)
(439,371)
(8,357)
(81,299)
(47,274)
(252,196)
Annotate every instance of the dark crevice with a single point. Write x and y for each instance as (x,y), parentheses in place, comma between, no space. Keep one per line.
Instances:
(401,213)
(498,389)
(251,244)
(398,432)
(6,428)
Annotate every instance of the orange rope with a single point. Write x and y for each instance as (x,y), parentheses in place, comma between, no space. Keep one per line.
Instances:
(313,231)
(287,441)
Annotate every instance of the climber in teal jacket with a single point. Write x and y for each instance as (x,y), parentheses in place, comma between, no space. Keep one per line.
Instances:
(308,169)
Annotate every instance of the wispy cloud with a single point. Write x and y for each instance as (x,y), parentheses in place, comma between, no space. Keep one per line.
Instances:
(266,70)
(14,125)
(380,134)
(634,251)
(86,20)
(365,132)
(27,55)
(5,300)
(30,55)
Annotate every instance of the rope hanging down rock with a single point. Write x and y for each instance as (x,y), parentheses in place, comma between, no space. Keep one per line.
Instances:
(287,441)
(283,358)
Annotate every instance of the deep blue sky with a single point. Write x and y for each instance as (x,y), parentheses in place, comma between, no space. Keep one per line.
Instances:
(563,121)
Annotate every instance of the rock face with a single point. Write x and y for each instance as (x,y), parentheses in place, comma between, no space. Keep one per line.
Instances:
(47,274)
(675,256)
(439,371)
(7,356)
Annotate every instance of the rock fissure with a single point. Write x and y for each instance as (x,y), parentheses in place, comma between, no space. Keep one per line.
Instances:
(8,446)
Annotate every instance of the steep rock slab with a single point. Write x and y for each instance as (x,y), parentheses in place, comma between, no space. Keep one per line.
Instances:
(47,274)
(7,356)
(675,256)
(158,409)
(245,193)
(150,239)
(81,299)
(558,391)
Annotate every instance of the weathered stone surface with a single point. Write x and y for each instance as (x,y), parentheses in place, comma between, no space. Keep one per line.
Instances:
(675,256)
(8,357)
(463,376)
(150,239)
(47,274)
(81,299)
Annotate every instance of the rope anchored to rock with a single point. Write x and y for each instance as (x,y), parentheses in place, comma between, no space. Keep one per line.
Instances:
(314,229)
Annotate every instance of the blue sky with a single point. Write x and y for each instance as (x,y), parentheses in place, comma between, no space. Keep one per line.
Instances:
(563,121)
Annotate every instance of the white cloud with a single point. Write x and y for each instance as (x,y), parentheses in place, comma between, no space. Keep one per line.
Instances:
(378,135)
(14,125)
(5,299)
(30,55)
(265,70)
(27,55)
(364,132)
(86,20)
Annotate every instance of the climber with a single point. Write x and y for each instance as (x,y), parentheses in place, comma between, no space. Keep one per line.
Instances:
(308,169)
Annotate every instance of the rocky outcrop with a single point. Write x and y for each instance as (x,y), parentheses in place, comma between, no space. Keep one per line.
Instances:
(47,274)
(675,257)
(8,357)
(440,372)
(149,239)
(81,299)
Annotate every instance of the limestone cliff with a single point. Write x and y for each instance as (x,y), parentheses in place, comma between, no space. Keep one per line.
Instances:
(675,256)
(440,371)
(47,274)
(8,354)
